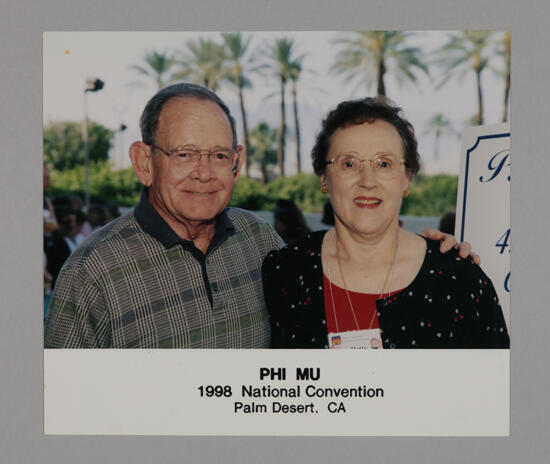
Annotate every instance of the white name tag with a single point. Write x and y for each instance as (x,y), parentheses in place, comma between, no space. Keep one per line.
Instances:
(355,339)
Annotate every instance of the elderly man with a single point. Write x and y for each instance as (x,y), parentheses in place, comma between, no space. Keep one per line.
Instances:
(181,270)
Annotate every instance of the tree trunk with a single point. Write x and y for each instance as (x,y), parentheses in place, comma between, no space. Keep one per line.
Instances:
(436,148)
(479,118)
(381,71)
(282,131)
(245,126)
(507,50)
(297,128)
(264,173)
(506,98)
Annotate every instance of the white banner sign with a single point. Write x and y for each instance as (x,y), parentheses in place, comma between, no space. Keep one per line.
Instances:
(483,203)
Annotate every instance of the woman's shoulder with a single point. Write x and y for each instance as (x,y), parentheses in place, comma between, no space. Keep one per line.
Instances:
(450,264)
(450,258)
(309,246)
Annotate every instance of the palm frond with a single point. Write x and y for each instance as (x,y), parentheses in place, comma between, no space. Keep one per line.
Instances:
(363,53)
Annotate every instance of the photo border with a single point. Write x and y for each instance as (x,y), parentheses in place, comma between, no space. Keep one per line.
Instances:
(22,24)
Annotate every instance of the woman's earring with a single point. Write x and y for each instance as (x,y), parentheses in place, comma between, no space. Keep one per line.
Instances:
(406,193)
(324,188)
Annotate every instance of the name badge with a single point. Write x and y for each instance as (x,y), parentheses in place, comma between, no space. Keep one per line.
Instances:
(355,339)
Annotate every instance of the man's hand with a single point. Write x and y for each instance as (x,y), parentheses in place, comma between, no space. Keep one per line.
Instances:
(449,241)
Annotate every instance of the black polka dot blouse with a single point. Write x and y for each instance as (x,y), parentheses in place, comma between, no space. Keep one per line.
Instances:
(451,303)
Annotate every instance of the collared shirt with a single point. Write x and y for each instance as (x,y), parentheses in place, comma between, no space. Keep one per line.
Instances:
(136,284)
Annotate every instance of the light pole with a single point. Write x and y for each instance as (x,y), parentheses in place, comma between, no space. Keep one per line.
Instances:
(93,84)
(121,128)
(119,140)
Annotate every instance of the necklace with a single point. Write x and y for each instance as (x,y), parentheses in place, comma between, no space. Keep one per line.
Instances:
(388,275)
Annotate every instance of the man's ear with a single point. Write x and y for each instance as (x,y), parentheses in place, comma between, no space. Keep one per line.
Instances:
(239,163)
(142,161)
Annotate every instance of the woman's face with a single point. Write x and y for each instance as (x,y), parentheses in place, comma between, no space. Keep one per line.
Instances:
(363,202)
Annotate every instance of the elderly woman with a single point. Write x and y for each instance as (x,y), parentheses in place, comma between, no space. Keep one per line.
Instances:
(367,283)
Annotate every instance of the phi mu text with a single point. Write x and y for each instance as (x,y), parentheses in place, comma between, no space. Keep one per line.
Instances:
(279,373)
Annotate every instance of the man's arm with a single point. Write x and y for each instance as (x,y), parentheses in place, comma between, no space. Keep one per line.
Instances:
(448,242)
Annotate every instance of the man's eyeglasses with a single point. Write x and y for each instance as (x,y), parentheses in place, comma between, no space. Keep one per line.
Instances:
(349,165)
(220,159)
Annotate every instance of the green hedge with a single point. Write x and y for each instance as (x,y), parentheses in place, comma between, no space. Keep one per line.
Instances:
(430,195)
(304,189)
(107,185)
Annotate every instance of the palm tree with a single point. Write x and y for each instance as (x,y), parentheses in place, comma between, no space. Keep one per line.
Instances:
(203,63)
(236,47)
(294,74)
(504,51)
(438,125)
(262,151)
(279,61)
(466,51)
(157,65)
(366,56)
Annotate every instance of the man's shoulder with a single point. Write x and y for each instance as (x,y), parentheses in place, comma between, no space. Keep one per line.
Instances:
(106,239)
(249,223)
(243,218)
(256,231)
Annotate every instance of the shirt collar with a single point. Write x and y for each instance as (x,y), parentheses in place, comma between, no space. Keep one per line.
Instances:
(152,223)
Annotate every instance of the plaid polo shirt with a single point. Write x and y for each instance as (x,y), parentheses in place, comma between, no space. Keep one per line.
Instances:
(136,284)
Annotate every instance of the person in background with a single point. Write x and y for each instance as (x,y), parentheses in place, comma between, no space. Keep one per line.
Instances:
(98,216)
(50,221)
(61,243)
(289,222)
(328,214)
(368,283)
(81,224)
(447,222)
(50,225)
(113,211)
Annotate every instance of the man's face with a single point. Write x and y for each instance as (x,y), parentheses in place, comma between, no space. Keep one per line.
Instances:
(190,195)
